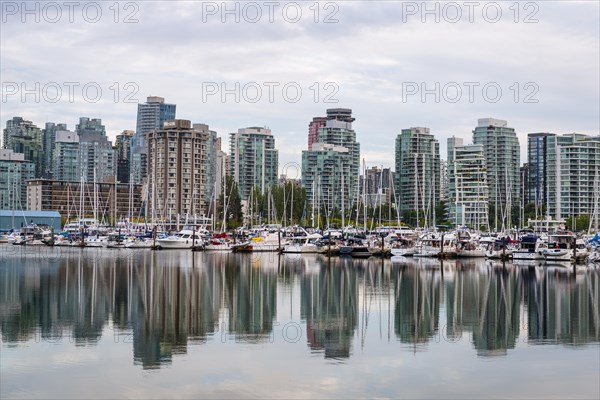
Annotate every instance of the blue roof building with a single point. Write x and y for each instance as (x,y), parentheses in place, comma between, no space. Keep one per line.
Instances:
(20,218)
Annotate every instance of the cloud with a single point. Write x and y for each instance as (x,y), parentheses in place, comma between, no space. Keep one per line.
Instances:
(370,55)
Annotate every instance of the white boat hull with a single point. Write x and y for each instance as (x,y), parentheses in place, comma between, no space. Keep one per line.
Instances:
(305,248)
(177,244)
(217,247)
(477,253)
(522,255)
(557,254)
(406,252)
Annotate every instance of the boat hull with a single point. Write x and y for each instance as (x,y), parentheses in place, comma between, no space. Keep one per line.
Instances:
(169,244)
(522,255)
(557,255)
(303,249)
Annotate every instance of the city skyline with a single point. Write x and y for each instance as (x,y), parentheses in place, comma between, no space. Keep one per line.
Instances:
(224,136)
(377,85)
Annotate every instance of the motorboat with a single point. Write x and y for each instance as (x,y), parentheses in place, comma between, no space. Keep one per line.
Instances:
(187,238)
(303,244)
(355,247)
(565,247)
(531,247)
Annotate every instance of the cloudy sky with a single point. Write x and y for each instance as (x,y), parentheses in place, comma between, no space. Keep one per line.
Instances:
(396,64)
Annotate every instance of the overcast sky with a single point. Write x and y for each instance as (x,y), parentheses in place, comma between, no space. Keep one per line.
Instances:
(373,57)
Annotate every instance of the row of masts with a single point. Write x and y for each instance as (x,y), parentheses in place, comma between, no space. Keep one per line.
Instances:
(424,202)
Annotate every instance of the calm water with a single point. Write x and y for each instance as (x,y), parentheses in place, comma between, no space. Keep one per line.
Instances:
(142,324)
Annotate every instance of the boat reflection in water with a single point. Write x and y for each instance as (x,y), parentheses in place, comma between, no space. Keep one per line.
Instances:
(164,302)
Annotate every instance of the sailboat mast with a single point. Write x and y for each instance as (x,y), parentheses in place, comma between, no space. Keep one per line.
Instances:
(364,196)
(312,211)
(343,221)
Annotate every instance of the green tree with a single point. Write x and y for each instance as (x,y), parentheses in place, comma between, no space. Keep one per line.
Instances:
(581,223)
(289,200)
(233,201)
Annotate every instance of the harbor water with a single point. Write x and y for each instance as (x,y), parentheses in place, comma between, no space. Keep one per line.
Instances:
(119,323)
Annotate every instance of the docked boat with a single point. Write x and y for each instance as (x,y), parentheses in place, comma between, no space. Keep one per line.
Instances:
(303,244)
(355,248)
(219,243)
(501,249)
(263,241)
(531,247)
(469,246)
(139,243)
(565,247)
(186,238)
(430,245)
(33,234)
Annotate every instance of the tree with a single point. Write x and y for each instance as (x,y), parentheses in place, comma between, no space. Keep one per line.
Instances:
(282,196)
(582,222)
(233,202)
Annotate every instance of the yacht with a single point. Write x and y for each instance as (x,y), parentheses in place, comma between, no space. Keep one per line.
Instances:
(560,248)
(187,238)
(355,247)
(303,244)
(531,247)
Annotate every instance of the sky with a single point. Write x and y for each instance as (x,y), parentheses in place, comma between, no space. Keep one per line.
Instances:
(441,65)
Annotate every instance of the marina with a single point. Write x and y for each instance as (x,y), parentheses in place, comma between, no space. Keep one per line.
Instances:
(185,324)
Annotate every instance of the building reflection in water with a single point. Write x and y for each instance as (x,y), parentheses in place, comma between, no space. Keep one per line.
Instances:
(417,304)
(165,301)
(329,306)
(173,302)
(485,304)
(562,308)
(251,298)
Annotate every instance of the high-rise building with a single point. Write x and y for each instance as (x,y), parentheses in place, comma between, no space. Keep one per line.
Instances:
(443,180)
(16,127)
(87,125)
(334,155)
(525,184)
(97,156)
(66,157)
(222,165)
(378,186)
(253,159)
(213,146)
(541,150)
(48,140)
(578,176)
(24,137)
(123,147)
(150,117)
(561,172)
(313,130)
(417,171)
(178,170)
(15,171)
(325,177)
(502,157)
(467,184)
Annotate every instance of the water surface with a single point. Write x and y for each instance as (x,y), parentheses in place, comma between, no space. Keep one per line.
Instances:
(102,323)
